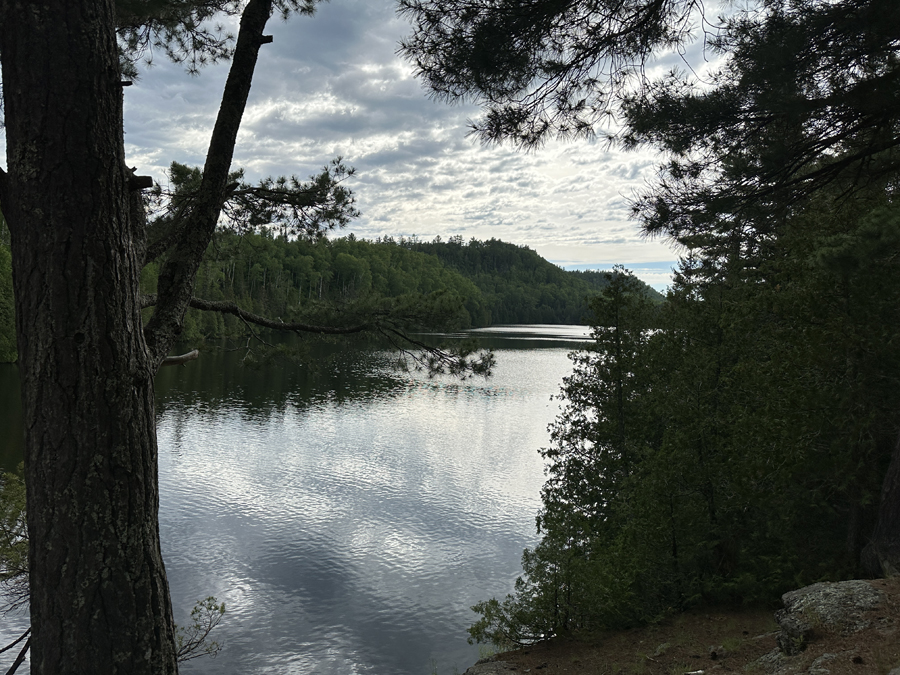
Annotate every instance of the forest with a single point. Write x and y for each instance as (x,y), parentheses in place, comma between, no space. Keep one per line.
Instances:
(741,441)
(493,282)
(735,452)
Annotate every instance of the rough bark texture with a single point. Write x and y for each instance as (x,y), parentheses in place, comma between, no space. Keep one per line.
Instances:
(881,557)
(99,597)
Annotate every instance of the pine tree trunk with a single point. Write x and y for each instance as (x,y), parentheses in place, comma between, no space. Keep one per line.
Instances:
(99,597)
(881,556)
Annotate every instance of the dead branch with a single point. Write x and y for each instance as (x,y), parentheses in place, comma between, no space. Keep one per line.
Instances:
(180,360)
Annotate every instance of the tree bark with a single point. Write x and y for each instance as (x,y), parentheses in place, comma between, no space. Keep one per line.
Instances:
(881,556)
(99,596)
(176,278)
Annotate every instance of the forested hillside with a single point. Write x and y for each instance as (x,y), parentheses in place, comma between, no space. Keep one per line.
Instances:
(298,278)
(516,283)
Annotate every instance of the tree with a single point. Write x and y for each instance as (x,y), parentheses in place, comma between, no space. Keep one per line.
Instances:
(808,98)
(192,641)
(99,597)
(545,68)
(804,102)
(540,68)
(735,453)
(79,240)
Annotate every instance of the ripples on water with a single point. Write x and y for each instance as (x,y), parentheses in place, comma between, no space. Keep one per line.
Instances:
(350,521)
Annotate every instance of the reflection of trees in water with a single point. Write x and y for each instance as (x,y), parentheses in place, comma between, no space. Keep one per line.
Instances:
(413,387)
(221,380)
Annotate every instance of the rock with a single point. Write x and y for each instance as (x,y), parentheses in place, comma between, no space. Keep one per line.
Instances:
(794,634)
(821,665)
(772,663)
(825,606)
(824,663)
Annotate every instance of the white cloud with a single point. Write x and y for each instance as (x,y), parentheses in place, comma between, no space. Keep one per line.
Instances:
(333,85)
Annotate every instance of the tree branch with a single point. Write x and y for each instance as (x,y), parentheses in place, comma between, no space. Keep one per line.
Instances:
(225,307)
(16,641)
(176,279)
(21,656)
(19,659)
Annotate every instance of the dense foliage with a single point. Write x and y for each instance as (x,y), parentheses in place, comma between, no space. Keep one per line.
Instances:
(493,281)
(734,454)
(748,443)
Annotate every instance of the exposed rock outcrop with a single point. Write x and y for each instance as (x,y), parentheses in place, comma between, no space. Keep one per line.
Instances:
(830,607)
(828,614)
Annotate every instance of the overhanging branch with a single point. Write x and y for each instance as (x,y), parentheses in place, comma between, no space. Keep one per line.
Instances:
(436,360)
(225,307)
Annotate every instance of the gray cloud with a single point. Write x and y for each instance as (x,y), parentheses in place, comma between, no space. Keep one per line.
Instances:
(333,85)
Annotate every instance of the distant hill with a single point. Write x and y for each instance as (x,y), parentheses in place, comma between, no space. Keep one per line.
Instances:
(500,283)
(517,284)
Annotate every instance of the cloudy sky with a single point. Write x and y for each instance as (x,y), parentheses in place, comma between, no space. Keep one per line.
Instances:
(333,85)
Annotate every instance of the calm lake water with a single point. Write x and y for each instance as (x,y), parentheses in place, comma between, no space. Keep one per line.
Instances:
(347,515)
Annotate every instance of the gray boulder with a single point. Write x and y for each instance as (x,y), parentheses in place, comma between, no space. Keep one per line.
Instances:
(833,607)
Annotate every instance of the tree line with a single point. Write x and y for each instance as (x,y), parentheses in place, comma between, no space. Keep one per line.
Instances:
(292,278)
(495,282)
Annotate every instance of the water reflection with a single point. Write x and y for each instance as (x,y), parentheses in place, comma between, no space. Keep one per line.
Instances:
(350,517)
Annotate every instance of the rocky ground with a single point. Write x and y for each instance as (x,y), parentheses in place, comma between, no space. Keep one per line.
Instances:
(824,629)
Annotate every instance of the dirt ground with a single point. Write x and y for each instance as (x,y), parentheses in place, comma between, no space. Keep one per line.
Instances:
(719,640)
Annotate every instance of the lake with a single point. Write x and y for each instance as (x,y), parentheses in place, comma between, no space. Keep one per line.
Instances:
(348,514)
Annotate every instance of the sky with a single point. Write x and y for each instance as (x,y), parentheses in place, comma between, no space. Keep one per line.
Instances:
(333,85)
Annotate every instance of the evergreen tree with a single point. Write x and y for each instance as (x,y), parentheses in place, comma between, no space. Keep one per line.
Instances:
(734,453)
(80,242)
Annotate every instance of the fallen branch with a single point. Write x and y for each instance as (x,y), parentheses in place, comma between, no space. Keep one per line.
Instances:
(181,360)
